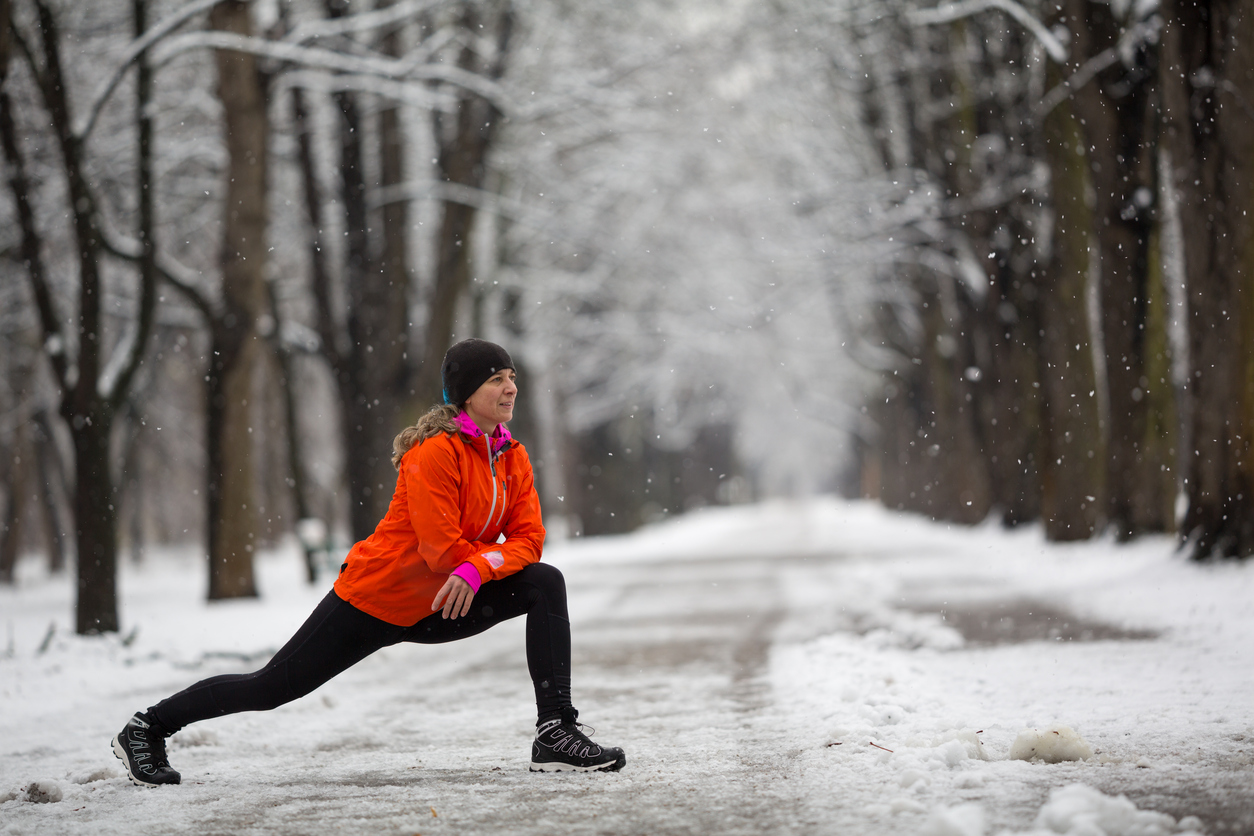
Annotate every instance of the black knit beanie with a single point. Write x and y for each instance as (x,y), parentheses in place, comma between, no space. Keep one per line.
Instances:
(467,365)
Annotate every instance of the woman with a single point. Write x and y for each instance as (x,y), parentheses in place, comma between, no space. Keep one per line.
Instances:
(457,552)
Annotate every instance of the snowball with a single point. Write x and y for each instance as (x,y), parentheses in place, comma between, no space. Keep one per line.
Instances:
(1080,809)
(1052,745)
(43,792)
(962,820)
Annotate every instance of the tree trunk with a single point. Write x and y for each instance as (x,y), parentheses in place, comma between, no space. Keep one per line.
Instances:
(96,521)
(1207,80)
(237,348)
(1116,112)
(295,456)
(1072,496)
(328,333)
(11,514)
(1156,497)
(1012,417)
(361,442)
(50,479)
(462,159)
(955,481)
(389,364)
(370,363)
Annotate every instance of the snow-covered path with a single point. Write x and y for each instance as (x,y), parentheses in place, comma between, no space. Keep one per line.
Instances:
(757,664)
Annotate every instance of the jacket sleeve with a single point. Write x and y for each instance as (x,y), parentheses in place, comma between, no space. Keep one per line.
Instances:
(523,528)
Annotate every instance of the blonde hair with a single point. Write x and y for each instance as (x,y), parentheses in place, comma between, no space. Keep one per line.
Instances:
(441,418)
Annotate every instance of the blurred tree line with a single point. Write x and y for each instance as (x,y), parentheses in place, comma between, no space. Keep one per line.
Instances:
(1063,330)
(239,236)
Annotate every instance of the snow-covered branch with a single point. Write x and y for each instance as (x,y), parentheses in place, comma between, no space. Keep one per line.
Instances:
(136,49)
(457,193)
(332,27)
(949,12)
(1131,39)
(178,275)
(419,96)
(326,59)
(1076,80)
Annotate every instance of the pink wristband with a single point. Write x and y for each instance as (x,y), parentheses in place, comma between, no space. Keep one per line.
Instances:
(470,575)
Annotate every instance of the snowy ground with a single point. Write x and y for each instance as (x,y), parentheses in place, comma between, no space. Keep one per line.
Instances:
(802,668)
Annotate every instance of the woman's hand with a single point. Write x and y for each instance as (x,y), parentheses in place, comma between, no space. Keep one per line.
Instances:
(455,597)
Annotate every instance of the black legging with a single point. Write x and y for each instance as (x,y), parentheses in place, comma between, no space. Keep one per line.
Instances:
(338,635)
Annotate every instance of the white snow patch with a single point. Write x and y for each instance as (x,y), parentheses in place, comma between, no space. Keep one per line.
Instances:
(1073,810)
(99,773)
(960,820)
(1080,810)
(1052,745)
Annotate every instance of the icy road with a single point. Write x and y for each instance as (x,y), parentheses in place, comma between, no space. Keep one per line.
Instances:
(800,668)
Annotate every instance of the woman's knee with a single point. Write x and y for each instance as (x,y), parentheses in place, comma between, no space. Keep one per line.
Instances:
(546,577)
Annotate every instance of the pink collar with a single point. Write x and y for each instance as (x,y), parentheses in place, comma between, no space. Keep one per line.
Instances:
(500,439)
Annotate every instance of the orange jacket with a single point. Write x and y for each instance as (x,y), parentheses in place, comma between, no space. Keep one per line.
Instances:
(451,505)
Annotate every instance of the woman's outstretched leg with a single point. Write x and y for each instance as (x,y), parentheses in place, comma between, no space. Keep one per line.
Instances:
(335,637)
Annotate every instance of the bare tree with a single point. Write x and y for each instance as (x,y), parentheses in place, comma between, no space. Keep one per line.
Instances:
(93,382)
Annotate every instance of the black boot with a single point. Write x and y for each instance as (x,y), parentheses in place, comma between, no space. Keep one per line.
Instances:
(141,747)
(561,746)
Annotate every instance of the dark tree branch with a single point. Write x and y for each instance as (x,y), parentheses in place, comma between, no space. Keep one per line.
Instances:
(147,218)
(32,244)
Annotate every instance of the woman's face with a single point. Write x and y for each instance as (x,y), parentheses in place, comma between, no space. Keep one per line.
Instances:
(493,402)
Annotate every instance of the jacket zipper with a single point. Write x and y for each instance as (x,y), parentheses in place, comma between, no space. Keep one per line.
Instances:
(492,509)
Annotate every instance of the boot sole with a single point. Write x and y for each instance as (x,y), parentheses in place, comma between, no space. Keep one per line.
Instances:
(119,752)
(553,766)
